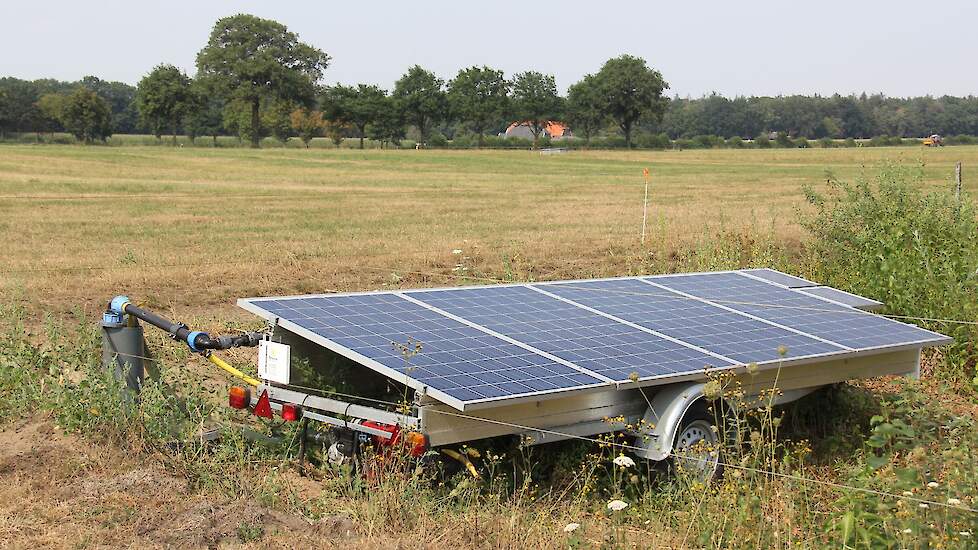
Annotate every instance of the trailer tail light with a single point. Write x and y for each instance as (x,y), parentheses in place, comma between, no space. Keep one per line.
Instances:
(416,443)
(291,412)
(239,397)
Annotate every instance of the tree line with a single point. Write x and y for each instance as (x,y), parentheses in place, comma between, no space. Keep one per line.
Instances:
(255,79)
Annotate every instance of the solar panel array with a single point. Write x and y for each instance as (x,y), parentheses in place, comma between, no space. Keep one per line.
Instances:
(485,344)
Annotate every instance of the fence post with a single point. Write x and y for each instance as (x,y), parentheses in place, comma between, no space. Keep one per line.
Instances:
(957,181)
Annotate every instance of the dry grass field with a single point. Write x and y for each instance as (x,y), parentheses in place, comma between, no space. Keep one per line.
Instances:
(193,229)
(187,231)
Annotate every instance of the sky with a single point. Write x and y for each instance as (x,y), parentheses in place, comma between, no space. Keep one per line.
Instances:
(760,47)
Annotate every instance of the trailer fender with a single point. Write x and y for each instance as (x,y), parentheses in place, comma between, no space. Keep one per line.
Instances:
(667,408)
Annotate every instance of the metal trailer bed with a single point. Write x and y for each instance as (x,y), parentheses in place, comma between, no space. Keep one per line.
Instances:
(630,348)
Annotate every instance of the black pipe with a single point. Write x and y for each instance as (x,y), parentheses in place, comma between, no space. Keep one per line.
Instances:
(197,340)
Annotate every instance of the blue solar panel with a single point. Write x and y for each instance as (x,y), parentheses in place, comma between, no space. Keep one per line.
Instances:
(727,333)
(462,362)
(845,298)
(589,340)
(777,277)
(840,324)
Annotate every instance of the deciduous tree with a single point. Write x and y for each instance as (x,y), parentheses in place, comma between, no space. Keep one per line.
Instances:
(86,115)
(250,59)
(535,101)
(479,97)
(422,100)
(630,91)
(307,124)
(356,106)
(584,111)
(164,98)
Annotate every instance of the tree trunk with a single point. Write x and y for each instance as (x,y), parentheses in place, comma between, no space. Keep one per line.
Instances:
(627,127)
(215,139)
(362,130)
(174,140)
(255,125)
(482,140)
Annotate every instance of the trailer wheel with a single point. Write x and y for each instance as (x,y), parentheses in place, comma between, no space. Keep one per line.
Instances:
(697,446)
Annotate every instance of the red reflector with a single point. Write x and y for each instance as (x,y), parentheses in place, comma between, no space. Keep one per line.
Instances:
(263,408)
(291,412)
(239,398)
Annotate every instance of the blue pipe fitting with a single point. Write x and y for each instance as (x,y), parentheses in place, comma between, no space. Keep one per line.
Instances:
(193,336)
(117,303)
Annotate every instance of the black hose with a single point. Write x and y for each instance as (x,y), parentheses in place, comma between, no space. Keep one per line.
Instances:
(198,341)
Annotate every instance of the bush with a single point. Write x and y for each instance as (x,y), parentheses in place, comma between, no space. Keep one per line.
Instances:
(735,142)
(801,143)
(826,143)
(762,142)
(653,141)
(850,142)
(783,140)
(915,251)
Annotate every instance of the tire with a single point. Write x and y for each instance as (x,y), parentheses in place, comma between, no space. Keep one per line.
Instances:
(699,439)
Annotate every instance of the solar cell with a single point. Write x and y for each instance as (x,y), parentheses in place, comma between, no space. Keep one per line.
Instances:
(840,324)
(461,362)
(842,297)
(592,341)
(707,326)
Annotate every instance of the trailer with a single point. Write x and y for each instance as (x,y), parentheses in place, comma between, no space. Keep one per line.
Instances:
(429,369)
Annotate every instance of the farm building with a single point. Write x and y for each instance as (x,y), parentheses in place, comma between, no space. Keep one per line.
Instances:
(553,130)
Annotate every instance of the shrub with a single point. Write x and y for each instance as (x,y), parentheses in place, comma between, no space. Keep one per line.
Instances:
(783,140)
(801,143)
(653,141)
(850,142)
(735,142)
(762,142)
(915,251)
(826,143)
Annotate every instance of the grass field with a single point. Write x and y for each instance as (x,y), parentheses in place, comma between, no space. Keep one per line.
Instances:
(192,229)
(188,231)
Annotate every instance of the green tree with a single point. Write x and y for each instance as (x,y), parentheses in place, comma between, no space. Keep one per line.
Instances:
(307,124)
(50,107)
(164,98)
(584,111)
(249,59)
(17,105)
(479,97)
(630,91)
(535,101)
(205,118)
(388,127)
(421,99)
(357,107)
(121,98)
(86,115)
(277,118)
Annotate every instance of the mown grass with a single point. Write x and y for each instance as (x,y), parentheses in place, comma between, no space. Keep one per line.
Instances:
(192,229)
(187,231)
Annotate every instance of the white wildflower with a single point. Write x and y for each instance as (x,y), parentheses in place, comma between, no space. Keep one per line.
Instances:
(908,493)
(571,527)
(457,251)
(907,531)
(933,485)
(964,533)
(954,502)
(924,505)
(617,505)
(624,461)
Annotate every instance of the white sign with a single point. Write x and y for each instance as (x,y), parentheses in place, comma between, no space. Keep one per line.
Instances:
(274,361)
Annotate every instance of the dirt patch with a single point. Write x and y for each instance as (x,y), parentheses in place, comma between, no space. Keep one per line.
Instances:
(62,491)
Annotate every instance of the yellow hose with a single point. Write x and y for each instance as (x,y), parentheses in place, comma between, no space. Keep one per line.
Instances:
(464,459)
(227,366)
